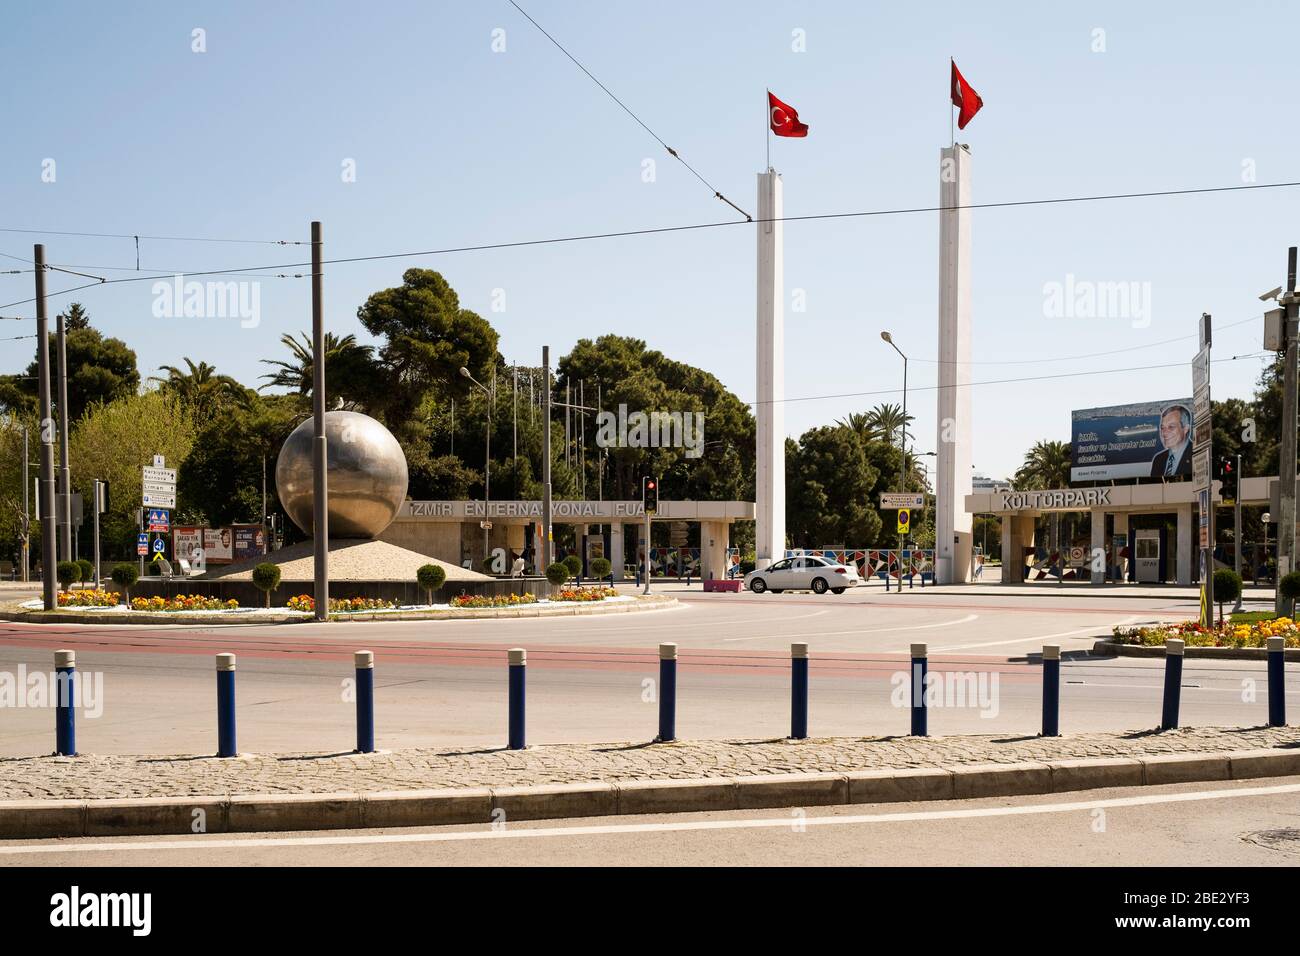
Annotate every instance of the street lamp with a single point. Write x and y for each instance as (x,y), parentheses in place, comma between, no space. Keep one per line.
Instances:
(487,464)
(902,486)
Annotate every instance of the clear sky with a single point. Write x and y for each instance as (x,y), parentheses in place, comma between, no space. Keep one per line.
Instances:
(456,144)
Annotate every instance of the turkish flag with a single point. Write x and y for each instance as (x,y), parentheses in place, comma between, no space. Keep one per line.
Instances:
(964,97)
(784,118)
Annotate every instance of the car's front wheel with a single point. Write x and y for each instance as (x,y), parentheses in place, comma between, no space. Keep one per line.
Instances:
(819,586)
(758,585)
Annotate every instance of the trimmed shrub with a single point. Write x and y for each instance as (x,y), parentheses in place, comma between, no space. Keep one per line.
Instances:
(66,572)
(86,570)
(266,577)
(557,573)
(600,568)
(430,577)
(124,576)
(1289,587)
(574,564)
(1227,587)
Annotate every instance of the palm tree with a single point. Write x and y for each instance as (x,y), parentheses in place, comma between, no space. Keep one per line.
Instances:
(1046,465)
(296,374)
(860,424)
(199,388)
(887,419)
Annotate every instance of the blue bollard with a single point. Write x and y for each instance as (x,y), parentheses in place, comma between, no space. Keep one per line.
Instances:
(667,692)
(365,666)
(1051,690)
(799,691)
(1173,683)
(920,667)
(1276,682)
(65,715)
(226,706)
(518,658)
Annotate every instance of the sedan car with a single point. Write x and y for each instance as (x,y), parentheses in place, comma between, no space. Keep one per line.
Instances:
(807,572)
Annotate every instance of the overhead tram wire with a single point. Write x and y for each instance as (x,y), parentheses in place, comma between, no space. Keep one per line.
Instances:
(1087,355)
(1002,381)
(671,152)
(662,230)
(127,235)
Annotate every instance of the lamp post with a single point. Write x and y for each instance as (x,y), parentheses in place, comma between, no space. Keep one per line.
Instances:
(487,464)
(902,464)
(903,437)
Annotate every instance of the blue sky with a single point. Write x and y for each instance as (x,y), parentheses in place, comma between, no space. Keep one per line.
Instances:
(455,144)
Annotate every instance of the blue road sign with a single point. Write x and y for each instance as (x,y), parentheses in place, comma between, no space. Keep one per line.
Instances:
(160,545)
(142,543)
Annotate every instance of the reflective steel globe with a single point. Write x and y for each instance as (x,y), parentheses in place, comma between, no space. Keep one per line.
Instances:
(366,469)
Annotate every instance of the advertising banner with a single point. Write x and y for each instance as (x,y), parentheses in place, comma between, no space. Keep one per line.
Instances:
(185,540)
(248,541)
(218,545)
(1141,440)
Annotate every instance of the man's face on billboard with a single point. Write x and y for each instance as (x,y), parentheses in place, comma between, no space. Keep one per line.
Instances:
(1172,432)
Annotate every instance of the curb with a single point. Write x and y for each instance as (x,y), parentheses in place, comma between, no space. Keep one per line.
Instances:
(654,602)
(31,819)
(1110,647)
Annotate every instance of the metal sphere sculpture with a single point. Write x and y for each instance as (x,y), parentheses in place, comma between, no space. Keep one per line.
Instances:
(366,469)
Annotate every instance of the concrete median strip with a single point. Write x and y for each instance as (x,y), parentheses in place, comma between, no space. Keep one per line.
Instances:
(31,819)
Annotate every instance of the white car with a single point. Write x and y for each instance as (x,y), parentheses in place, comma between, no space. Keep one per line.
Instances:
(807,572)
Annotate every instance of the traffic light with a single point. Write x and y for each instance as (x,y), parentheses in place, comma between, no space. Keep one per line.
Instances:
(1227,479)
(650,495)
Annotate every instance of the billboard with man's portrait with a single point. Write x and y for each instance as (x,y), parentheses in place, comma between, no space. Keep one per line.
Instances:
(1142,440)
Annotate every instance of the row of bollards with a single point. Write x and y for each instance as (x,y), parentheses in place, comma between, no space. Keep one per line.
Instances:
(65,665)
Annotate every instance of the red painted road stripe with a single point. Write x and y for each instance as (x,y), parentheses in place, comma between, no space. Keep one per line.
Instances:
(638,659)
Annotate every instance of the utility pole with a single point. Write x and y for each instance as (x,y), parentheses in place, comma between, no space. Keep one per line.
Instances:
(546,460)
(96,506)
(1286,471)
(49,586)
(266,535)
(1236,534)
(65,471)
(26,523)
(320,483)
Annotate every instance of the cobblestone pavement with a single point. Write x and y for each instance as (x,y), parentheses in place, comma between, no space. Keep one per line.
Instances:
(92,777)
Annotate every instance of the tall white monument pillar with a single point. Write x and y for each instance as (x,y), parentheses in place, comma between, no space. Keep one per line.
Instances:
(952,537)
(769,536)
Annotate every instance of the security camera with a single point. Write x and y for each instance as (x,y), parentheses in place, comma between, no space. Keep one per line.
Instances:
(1272,294)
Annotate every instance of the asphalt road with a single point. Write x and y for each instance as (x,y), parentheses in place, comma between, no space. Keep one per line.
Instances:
(1244,823)
(443,683)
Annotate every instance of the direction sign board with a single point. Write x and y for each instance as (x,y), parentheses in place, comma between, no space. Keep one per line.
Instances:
(1201,369)
(890,500)
(155,500)
(1201,468)
(1203,503)
(165,476)
(1201,404)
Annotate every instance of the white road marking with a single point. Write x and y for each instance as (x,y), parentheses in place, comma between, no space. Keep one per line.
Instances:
(866,630)
(1043,637)
(919,816)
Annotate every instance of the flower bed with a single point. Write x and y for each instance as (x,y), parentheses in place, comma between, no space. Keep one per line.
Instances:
(305,602)
(1253,634)
(88,599)
(182,602)
(584,594)
(498,600)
